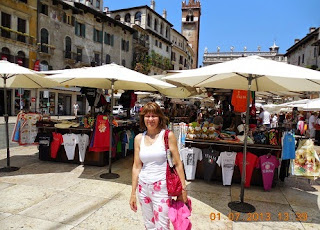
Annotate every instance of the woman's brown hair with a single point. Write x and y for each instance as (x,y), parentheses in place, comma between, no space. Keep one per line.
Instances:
(152,107)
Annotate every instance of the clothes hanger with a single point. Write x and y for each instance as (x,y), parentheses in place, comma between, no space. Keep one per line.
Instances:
(269,155)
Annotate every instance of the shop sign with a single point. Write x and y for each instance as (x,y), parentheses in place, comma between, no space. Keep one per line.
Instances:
(33,99)
(36,65)
(46,94)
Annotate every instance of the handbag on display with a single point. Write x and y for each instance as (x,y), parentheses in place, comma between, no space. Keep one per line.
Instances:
(174,185)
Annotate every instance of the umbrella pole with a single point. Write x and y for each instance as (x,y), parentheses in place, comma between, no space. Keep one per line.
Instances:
(236,205)
(110,175)
(6,118)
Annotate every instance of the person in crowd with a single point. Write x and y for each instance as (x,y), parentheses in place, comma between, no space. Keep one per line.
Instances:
(149,168)
(274,121)
(75,109)
(264,117)
(218,122)
(317,128)
(312,121)
(282,116)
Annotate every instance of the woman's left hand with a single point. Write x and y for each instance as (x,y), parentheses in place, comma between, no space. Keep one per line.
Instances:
(183,197)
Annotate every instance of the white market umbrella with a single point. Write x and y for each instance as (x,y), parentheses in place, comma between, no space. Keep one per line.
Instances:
(251,73)
(312,105)
(110,76)
(16,76)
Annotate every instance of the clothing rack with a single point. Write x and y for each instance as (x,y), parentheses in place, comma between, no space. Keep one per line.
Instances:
(71,128)
(255,146)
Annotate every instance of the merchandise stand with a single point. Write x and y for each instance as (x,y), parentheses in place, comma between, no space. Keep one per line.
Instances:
(257,149)
(91,158)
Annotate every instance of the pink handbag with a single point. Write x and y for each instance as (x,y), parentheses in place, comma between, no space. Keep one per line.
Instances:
(174,185)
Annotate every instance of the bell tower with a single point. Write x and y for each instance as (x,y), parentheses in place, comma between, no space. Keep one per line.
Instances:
(190,28)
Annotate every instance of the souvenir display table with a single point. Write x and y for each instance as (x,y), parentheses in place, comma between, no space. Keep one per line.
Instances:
(230,146)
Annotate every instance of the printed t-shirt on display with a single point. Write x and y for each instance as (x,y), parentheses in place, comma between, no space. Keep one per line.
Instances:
(252,161)
(267,163)
(101,139)
(69,142)
(44,140)
(210,158)
(83,144)
(226,161)
(190,157)
(56,143)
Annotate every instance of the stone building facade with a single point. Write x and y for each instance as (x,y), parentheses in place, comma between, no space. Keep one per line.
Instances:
(153,32)
(18,31)
(182,53)
(210,58)
(306,51)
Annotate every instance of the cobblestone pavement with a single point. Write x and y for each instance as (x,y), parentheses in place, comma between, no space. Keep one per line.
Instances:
(51,195)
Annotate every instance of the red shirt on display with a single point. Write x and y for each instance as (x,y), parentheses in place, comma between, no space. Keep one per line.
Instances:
(101,140)
(239,100)
(252,161)
(56,143)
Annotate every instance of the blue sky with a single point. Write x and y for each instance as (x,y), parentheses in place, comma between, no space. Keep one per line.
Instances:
(240,23)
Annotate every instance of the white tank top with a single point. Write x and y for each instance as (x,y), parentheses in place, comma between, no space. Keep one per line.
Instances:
(154,160)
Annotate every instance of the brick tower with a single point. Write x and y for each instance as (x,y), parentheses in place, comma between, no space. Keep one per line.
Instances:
(190,28)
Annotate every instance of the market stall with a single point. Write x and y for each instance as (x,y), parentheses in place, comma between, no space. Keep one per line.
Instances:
(251,73)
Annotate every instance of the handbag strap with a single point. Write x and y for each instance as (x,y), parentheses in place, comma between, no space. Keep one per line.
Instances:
(166,139)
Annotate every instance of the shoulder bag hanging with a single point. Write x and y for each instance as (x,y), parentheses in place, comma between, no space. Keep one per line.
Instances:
(174,185)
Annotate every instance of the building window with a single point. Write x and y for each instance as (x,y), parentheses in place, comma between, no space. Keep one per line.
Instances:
(167,32)
(127,18)
(5,22)
(137,16)
(299,60)
(97,35)
(80,29)
(161,28)
(5,54)
(79,55)
(22,24)
(117,18)
(315,51)
(97,59)
(20,59)
(98,4)
(44,40)
(181,60)
(68,48)
(173,56)
(160,45)
(43,9)
(123,63)
(156,24)
(69,19)
(302,58)
(156,42)
(149,20)
(108,39)
(108,59)
(167,49)
(124,45)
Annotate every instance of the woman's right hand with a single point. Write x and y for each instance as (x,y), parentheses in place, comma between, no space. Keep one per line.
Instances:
(133,203)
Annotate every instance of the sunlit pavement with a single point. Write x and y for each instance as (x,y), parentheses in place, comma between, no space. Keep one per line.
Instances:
(48,195)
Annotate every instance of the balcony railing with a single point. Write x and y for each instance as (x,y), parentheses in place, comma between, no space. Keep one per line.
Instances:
(142,42)
(44,48)
(6,32)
